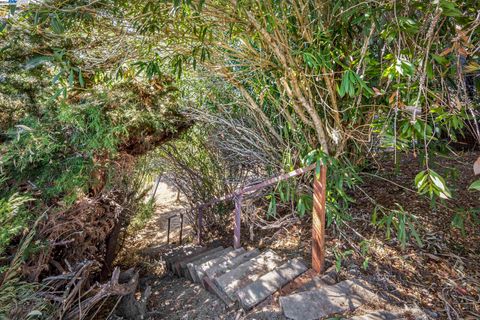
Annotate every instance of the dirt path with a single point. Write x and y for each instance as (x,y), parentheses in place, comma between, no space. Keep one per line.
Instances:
(151,241)
(172,298)
(168,204)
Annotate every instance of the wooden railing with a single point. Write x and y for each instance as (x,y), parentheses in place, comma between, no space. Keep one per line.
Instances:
(318,219)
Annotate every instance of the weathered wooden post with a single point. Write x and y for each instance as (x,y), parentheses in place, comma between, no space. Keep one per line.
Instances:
(200,225)
(318,220)
(237,221)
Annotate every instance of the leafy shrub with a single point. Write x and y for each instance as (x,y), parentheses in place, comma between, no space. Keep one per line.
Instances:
(398,221)
(13,219)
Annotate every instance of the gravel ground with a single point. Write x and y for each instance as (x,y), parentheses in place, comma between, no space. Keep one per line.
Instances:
(176,298)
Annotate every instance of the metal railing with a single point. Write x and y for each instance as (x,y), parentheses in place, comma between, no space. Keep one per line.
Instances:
(318,221)
(181,227)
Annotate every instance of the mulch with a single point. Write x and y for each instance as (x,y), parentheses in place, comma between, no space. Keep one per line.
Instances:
(443,275)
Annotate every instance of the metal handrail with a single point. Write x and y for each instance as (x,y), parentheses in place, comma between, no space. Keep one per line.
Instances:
(319,200)
(181,227)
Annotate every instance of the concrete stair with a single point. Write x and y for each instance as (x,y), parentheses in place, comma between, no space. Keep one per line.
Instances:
(180,253)
(327,300)
(247,278)
(193,275)
(201,269)
(269,283)
(235,276)
(229,264)
(247,272)
(181,267)
(313,296)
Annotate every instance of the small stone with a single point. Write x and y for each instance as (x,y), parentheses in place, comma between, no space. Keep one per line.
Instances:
(326,301)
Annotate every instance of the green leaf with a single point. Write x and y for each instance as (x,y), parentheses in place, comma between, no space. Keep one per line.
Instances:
(415,234)
(272,208)
(57,93)
(71,78)
(318,168)
(13,8)
(439,59)
(35,313)
(310,60)
(420,179)
(440,184)
(475,185)
(36,61)
(365,263)
(80,78)
(338,265)
(450,9)
(57,77)
(344,86)
(301,207)
(200,5)
(458,222)
(56,25)
(311,157)
(374,216)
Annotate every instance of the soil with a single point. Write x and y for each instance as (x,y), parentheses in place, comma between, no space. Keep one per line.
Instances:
(143,247)
(442,276)
(172,298)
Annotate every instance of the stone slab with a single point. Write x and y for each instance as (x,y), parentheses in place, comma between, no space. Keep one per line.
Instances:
(247,272)
(180,267)
(212,287)
(230,264)
(326,301)
(191,266)
(201,269)
(180,253)
(269,283)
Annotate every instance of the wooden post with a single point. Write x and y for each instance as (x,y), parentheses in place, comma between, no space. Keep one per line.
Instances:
(200,225)
(318,220)
(181,228)
(237,221)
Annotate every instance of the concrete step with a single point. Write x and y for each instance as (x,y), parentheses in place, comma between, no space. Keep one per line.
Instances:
(192,274)
(180,267)
(157,250)
(180,253)
(212,287)
(201,269)
(327,300)
(269,283)
(247,272)
(230,264)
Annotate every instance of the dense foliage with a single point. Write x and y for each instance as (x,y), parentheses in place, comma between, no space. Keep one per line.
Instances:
(350,78)
(71,133)
(87,87)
